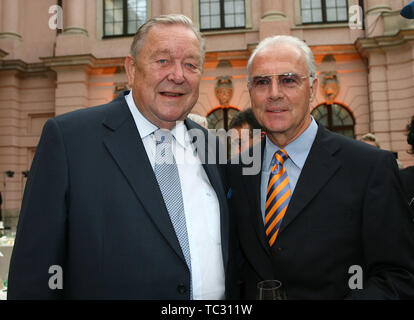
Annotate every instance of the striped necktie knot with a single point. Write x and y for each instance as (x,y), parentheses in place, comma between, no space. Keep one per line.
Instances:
(277,196)
(280,157)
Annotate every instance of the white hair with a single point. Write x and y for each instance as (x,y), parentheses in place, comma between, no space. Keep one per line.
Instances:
(170,19)
(283,39)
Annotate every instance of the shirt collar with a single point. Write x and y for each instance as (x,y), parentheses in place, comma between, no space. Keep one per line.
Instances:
(146,127)
(297,150)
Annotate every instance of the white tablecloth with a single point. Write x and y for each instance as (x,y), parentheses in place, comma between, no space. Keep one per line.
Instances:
(6,251)
(5,256)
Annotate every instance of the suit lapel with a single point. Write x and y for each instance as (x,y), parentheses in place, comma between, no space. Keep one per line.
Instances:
(125,145)
(252,184)
(319,167)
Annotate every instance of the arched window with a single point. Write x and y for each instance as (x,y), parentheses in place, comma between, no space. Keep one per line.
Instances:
(219,117)
(335,117)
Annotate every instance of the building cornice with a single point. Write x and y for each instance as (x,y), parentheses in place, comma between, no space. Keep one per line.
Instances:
(88,60)
(21,66)
(71,61)
(365,45)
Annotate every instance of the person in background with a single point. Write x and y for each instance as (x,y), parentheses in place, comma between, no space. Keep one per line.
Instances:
(324,210)
(244,120)
(407,174)
(371,139)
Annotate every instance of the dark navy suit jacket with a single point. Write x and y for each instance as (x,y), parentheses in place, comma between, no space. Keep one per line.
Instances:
(92,205)
(348,209)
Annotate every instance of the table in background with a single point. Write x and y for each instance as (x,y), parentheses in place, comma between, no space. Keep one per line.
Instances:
(6,248)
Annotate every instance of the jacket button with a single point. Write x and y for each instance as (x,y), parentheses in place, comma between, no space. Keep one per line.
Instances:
(279,249)
(181,289)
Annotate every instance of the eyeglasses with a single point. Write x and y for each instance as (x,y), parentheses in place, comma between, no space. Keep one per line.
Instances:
(287,81)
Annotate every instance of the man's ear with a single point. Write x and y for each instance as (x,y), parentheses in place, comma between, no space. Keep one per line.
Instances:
(314,88)
(130,70)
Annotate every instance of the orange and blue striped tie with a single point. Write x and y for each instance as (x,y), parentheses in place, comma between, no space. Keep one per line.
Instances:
(277,196)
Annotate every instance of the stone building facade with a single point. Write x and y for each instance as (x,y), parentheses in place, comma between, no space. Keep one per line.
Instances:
(58,56)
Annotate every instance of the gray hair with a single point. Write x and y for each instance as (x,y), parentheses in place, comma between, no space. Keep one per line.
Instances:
(170,19)
(283,39)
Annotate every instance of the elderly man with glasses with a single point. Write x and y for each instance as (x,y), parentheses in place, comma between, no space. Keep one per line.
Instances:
(325,215)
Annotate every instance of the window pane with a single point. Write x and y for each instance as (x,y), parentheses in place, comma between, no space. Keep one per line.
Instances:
(228,6)
(215,8)
(342,14)
(109,29)
(109,16)
(210,14)
(306,16)
(137,14)
(215,21)
(113,17)
(205,22)
(233,15)
(239,7)
(229,20)
(321,114)
(331,14)
(316,4)
(118,4)
(132,14)
(118,15)
(240,20)
(109,4)
(118,26)
(330,3)
(317,15)
(305,4)
(341,3)
(204,9)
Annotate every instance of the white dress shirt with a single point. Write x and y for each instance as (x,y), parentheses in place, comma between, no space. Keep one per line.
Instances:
(201,206)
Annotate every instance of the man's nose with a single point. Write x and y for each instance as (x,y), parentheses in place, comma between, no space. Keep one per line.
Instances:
(176,73)
(275,88)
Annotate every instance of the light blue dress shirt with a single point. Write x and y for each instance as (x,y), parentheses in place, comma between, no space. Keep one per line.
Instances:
(297,150)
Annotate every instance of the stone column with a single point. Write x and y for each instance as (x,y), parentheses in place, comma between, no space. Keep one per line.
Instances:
(10,36)
(10,20)
(155,8)
(170,6)
(374,23)
(74,39)
(273,19)
(71,88)
(75,14)
(187,9)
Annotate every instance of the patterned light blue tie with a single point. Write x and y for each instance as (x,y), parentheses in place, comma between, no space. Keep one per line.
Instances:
(166,172)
